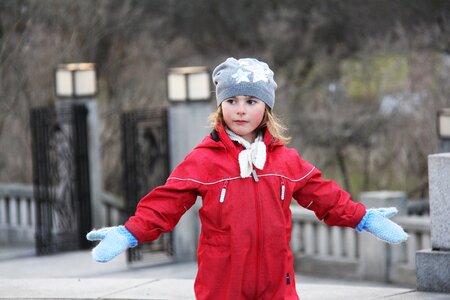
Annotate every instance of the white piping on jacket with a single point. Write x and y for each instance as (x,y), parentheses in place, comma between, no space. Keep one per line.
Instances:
(285,177)
(239,177)
(205,183)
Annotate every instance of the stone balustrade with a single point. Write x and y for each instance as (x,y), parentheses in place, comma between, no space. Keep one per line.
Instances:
(17,214)
(338,251)
(318,248)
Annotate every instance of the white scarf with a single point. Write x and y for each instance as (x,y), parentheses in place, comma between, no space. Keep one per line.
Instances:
(253,155)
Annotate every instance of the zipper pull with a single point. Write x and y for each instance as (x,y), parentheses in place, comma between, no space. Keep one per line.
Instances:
(283,189)
(223,192)
(288,279)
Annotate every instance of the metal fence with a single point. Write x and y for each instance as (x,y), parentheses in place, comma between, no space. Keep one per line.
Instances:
(60,177)
(146,166)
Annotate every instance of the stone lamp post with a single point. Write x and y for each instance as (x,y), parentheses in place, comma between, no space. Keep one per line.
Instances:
(189,94)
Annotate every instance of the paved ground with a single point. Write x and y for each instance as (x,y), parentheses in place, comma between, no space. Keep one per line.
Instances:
(74,275)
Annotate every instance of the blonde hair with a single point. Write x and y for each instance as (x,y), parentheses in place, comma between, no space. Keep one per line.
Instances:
(269,121)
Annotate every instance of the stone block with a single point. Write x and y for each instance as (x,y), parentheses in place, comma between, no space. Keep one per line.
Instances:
(433,271)
(439,184)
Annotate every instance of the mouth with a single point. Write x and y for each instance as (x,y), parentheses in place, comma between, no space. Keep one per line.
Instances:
(240,122)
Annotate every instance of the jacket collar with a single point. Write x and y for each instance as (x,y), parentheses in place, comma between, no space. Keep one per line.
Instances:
(221,139)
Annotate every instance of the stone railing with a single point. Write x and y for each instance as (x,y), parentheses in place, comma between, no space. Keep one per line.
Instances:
(339,252)
(17,214)
(318,249)
(321,249)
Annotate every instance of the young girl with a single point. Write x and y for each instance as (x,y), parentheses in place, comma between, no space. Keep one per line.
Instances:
(246,177)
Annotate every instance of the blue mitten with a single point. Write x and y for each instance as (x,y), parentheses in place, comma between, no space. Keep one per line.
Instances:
(376,222)
(113,241)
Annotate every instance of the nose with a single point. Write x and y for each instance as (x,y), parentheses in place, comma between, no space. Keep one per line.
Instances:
(241,108)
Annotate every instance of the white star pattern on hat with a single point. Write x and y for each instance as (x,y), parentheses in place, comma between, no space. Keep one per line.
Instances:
(241,75)
(258,71)
(260,75)
(244,62)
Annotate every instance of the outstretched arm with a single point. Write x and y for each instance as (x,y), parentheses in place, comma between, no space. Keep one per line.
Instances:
(157,212)
(334,206)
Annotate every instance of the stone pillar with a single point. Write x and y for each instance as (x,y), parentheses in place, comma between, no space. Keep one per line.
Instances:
(433,265)
(188,125)
(95,162)
(377,256)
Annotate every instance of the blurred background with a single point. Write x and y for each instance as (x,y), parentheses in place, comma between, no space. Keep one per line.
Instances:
(360,82)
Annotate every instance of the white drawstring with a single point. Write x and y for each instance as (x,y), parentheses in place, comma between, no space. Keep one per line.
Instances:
(253,155)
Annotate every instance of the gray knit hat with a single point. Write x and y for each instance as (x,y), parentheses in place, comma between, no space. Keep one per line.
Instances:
(244,77)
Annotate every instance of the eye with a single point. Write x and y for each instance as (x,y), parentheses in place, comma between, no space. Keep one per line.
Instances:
(230,100)
(252,101)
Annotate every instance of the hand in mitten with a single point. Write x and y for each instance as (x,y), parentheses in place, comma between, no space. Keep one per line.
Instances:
(113,241)
(377,223)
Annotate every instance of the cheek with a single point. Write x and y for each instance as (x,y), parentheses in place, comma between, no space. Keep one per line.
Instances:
(258,115)
(226,115)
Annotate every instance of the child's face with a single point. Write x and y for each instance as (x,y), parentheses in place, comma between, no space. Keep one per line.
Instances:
(243,114)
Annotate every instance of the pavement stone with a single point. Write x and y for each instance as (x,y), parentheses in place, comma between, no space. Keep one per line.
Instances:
(174,289)
(72,288)
(74,275)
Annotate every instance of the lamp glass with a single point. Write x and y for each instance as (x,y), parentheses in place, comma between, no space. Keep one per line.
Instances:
(176,84)
(85,83)
(444,126)
(198,86)
(64,83)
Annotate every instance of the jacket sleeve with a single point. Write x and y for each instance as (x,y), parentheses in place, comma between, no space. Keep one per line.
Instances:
(327,199)
(161,209)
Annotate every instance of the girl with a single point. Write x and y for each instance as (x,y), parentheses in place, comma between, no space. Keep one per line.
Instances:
(246,177)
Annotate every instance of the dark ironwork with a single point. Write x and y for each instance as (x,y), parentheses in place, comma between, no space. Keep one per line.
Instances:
(82,178)
(60,178)
(146,158)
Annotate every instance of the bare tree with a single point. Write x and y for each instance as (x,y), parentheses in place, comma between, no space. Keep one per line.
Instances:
(308,43)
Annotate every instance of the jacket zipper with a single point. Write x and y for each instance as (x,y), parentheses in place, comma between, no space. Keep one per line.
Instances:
(259,238)
(223,192)
(283,190)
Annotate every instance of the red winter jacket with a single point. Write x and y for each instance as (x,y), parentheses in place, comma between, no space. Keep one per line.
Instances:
(243,251)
